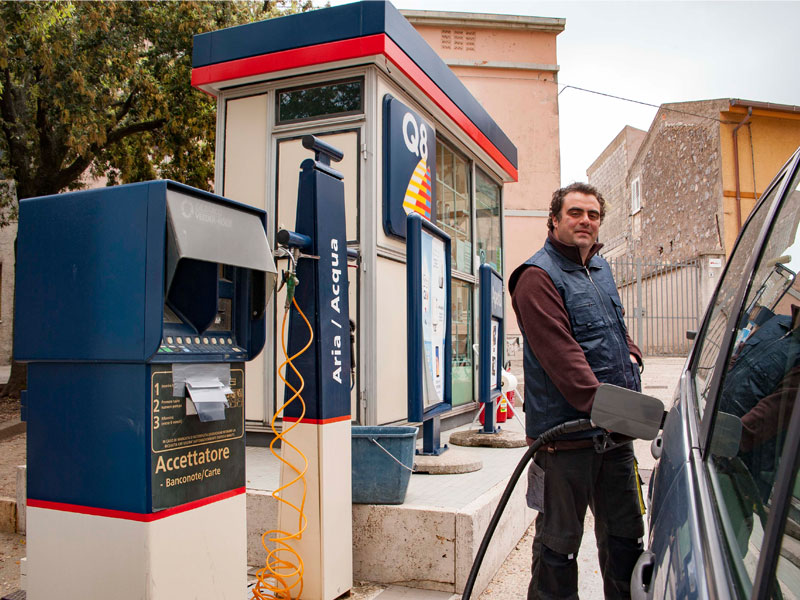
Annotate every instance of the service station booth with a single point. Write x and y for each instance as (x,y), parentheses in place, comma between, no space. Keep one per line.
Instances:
(414,139)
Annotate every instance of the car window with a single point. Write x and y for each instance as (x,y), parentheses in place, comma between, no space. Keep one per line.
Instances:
(724,303)
(757,394)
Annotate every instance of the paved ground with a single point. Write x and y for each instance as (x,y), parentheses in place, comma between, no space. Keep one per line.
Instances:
(510,582)
(659,379)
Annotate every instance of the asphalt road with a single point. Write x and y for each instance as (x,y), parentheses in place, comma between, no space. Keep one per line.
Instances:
(659,379)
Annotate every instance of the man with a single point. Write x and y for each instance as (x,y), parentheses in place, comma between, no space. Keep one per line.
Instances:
(760,387)
(575,337)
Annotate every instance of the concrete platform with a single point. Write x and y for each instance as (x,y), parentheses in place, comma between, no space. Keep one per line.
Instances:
(449,462)
(429,541)
(476,437)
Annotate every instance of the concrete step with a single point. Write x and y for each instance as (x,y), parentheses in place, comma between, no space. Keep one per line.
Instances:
(429,541)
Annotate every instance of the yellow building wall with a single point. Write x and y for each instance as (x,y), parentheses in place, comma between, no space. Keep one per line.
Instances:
(765,143)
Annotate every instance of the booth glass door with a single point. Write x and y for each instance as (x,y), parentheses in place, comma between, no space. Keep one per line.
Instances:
(290,153)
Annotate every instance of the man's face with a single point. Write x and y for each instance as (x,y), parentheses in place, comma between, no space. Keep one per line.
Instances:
(578,223)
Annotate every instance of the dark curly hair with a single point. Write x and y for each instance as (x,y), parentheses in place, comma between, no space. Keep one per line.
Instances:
(558,200)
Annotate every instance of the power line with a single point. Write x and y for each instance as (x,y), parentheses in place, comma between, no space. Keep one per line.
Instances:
(682,112)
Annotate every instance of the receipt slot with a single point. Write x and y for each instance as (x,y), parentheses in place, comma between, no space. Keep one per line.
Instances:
(136,309)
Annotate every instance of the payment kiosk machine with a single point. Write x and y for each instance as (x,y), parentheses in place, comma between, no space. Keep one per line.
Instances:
(136,309)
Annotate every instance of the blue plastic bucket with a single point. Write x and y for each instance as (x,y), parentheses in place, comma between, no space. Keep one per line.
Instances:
(382,459)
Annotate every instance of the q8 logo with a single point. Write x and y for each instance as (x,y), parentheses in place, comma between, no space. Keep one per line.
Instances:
(418,192)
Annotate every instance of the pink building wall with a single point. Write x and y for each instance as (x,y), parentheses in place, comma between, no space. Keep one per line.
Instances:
(509,64)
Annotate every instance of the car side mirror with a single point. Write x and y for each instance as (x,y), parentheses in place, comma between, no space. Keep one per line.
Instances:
(691,334)
(627,412)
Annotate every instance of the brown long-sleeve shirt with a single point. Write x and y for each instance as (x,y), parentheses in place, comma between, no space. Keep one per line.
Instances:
(543,317)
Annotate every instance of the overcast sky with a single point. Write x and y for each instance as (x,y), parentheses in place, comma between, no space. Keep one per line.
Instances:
(653,52)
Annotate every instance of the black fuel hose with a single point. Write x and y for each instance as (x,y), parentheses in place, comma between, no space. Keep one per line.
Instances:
(547,437)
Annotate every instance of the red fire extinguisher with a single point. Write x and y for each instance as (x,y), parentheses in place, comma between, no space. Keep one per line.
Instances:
(510,396)
(502,409)
(502,415)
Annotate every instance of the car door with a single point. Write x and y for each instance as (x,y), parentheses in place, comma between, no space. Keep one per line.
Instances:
(724,498)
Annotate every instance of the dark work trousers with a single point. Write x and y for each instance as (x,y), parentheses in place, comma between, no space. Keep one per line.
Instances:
(608,484)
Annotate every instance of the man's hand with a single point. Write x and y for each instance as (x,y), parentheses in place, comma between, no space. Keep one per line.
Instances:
(636,362)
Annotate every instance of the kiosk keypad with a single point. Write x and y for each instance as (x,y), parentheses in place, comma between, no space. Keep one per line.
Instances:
(214,344)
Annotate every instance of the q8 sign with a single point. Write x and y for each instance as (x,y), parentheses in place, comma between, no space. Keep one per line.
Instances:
(409,166)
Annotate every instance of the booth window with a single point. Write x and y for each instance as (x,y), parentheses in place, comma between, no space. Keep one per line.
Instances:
(453,209)
(487,222)
(462,371)
(318,101)
(454,216)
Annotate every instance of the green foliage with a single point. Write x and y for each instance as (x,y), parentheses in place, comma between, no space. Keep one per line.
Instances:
(103,89)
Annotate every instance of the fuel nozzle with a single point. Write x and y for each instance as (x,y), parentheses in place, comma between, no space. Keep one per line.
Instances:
(293,246)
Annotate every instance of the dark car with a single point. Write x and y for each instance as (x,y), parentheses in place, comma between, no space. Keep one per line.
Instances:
(725,495)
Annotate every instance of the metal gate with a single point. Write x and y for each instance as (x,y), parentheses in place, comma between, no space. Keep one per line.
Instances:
(661,300)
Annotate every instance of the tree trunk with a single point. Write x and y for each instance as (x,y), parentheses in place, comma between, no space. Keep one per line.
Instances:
(17,381)
(18,378)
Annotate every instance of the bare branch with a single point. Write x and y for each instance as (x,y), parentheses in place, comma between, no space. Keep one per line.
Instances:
(81,163)
(126,106)
(134,128)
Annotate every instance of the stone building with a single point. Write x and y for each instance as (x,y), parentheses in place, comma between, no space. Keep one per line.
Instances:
(694,178)
(608,173)
(678,196)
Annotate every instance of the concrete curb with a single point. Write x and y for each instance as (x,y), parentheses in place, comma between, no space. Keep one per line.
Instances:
(11,428)
(8,515)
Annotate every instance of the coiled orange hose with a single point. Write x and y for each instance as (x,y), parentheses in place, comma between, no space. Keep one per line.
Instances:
(283,570)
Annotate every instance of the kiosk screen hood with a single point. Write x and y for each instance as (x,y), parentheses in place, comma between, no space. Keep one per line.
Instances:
(202,235)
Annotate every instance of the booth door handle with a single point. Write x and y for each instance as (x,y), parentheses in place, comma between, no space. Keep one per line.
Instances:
(642,576)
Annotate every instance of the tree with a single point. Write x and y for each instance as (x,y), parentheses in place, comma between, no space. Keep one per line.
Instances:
(102,90)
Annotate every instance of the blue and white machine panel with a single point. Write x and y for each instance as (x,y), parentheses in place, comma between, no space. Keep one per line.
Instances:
(491,333)
(428,266)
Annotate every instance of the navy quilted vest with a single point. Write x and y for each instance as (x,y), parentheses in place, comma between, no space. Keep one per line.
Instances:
(595,312)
